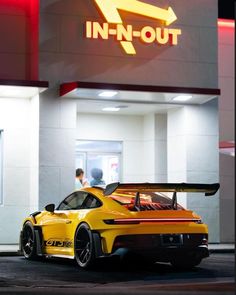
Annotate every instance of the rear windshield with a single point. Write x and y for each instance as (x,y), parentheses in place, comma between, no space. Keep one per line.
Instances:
(148,201)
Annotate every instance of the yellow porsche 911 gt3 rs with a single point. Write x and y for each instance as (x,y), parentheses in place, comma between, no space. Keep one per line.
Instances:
(96,222)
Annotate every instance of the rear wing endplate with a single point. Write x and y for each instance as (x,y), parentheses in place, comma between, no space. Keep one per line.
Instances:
(208,189)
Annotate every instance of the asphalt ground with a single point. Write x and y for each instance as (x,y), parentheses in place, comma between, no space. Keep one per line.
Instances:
(215,275)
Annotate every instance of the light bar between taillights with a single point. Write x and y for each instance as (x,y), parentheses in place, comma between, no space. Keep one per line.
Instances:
(154,220)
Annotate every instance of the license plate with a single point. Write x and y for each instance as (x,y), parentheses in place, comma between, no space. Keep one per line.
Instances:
(172,240)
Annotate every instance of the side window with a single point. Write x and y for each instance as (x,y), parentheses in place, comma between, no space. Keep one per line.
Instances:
(79,200)
(91,202)
(73,201)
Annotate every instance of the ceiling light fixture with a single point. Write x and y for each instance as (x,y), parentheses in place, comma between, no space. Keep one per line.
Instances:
(182,97)
(107,93)
(111,109)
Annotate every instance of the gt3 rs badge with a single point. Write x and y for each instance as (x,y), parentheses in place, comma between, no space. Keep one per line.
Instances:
(58,243)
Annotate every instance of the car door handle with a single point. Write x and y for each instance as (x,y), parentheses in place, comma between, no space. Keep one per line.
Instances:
(68,221)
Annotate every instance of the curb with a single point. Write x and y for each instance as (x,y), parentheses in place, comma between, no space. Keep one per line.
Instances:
(9,254)
(222,251)
(211,251)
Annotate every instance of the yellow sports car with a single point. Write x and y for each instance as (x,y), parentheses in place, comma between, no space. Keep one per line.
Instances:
(96,222)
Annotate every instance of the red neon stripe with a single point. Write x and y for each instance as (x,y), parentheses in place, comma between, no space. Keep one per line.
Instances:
(33,12)
(226,23)
(226,145)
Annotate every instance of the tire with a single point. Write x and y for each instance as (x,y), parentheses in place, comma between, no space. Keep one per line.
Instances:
(84,247)
(28,241)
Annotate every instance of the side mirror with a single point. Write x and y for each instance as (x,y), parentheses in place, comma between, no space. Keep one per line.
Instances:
(50,208)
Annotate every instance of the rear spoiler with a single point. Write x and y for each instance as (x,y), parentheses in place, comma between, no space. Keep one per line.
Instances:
(208,189)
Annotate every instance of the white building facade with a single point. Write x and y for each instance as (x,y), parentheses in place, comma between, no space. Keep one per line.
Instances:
(162,140)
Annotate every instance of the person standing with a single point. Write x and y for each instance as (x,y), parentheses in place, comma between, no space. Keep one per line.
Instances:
(97,175)
(79,179)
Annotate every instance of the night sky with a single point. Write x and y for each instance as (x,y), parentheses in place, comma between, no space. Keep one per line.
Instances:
(226,9)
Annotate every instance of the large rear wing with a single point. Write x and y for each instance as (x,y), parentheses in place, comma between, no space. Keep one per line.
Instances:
(208,189)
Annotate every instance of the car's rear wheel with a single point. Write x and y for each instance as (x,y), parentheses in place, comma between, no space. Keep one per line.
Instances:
(28,242)
(84,246)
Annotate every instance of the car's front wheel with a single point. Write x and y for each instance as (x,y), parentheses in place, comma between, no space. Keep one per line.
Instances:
(28,242)
(84,246)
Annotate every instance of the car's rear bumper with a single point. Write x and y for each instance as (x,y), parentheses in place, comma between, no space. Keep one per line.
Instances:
(161,247)
(168,254)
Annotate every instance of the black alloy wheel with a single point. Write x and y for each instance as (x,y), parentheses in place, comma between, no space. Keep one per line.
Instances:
(28,242)
(84,246)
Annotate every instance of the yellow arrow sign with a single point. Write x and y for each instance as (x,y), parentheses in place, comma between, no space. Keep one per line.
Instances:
(110,9)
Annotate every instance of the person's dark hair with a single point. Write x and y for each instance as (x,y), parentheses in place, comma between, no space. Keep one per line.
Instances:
(79,171)
(97,173)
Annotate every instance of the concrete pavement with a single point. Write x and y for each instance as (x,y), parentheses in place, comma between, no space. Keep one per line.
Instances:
(12,249)
(18,276)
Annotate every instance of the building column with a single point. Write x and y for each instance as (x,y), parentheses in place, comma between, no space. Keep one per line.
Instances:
(155,147)
(34,154)
(148,158)
(160,148)
(193,156)
(56,147)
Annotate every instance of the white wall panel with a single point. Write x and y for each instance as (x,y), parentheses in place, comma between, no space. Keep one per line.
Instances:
(56,147)
(11,233)
(227,101)
(13,43)
(112,127)
(203,121)
(49,188)
(19,157)
(226,60)
(16,186)
(193,156)
(227,131)
(17,147)
(17,43)
(226,57)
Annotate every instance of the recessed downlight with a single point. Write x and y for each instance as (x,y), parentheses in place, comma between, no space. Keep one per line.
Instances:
(182,97)
(107,93)
(111,109)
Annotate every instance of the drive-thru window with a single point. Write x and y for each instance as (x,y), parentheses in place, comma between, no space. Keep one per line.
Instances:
(105,155)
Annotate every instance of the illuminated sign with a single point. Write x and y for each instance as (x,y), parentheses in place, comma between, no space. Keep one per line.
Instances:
(125,34)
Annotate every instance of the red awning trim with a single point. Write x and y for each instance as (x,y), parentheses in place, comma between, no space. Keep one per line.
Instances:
(70,86)
(25,83)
